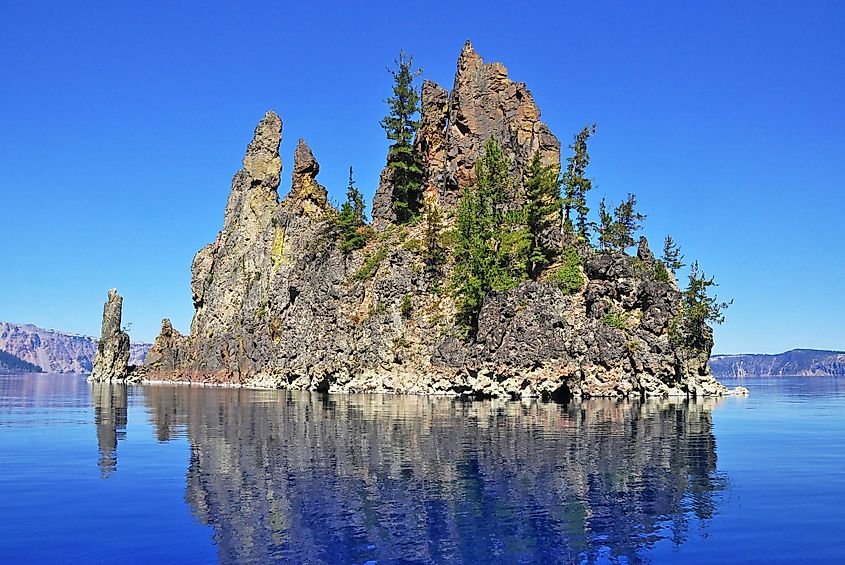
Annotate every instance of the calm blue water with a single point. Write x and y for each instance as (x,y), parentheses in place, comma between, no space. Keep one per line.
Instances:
(160,474)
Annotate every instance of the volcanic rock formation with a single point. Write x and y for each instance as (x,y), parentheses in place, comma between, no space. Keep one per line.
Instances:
(279,304)
(112,360)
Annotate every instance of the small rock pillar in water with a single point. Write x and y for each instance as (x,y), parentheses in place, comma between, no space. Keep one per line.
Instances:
(111,363)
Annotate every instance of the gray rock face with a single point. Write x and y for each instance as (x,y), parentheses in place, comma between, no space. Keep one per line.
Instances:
(279,305)
(112,360)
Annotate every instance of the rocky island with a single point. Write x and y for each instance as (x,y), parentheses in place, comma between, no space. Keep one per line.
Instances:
(472,278)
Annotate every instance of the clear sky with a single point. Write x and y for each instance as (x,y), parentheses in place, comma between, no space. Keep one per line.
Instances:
(122,123)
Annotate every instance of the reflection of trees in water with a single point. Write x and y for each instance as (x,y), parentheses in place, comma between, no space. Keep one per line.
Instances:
(350,478)
(109,402)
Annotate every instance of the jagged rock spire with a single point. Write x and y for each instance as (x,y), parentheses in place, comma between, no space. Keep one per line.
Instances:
(454,127)
(254,189)
(430,142)
(643,251)
(485,103)
(262,163)
(111,363)
(306,195)
(164,354)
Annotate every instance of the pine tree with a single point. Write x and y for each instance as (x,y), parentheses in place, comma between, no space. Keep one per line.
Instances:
(672,258)
(351,219)
(541,210)
(606,227)
(627,221)
(400,125)
(434,250)
(472,256)
(699,308)
(491,247)
(577,185)
(616,231)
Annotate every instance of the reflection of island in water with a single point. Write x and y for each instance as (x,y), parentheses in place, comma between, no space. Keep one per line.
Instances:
(110,401)
(310,478)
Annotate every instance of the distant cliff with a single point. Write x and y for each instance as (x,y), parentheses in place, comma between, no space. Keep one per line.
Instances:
(803,362)
(12,364)
(54,351)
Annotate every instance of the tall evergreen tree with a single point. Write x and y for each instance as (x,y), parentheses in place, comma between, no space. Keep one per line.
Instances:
(400,125)
(672,258)
(490,240)
(577,185)
(541,210)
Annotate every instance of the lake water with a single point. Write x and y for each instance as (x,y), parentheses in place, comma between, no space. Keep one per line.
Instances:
(170,474)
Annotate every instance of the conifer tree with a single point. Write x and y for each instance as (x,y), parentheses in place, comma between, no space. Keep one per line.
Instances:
(434,250)
(627,221)
(672,258)
(351,219)
(699,308)
(400,125)
(541,210)
(490,240)
(606,227)
(577,185)
(616,231)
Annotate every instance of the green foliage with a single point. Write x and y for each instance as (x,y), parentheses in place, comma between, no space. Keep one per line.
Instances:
(577,185)
(490,244)
(672,258)
(541,211)
(614,319)
(413,245)
(407,183)
(350,222)
(568,277)
(407,306)
(377,309)
(399,342)
(661,273)
(691,328)
(400,125)
(434,249)
(371,265)
(616,231)
(605,227)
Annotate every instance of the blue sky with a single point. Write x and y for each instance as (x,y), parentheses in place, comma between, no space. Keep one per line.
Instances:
(121,125)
